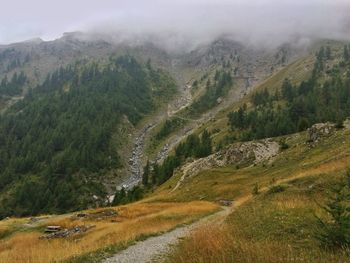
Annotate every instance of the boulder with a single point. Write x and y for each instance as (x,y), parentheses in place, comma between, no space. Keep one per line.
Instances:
(319,130)
(225,202)
(239,153)
(62,233)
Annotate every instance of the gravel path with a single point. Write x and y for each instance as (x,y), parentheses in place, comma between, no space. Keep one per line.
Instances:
(154,247)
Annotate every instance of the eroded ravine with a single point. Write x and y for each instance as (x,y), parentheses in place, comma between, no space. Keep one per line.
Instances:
(136,159)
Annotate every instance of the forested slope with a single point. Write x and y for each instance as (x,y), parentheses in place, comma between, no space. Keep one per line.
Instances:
(55,144)
(292,108)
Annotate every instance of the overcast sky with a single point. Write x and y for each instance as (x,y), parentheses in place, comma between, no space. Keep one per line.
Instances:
(198,20)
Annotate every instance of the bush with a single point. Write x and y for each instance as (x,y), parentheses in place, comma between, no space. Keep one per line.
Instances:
(339,124)
(283,144)
(277,189)
(333,231)
(255,189)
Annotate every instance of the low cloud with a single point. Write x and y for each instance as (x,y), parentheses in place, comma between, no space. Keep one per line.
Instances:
(264,23)
(185,24)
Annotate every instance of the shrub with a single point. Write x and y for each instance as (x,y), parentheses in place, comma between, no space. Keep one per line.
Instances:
(283,144)
(255,189)
(333,231)
(277,189)
(339,124)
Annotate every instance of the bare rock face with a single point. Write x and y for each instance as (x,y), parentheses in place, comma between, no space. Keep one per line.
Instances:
(319,130)
(241,153)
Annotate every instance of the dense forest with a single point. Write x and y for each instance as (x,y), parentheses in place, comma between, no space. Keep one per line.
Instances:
(60,134)
(14,86)
(325,96)
(214,90)
(169,126)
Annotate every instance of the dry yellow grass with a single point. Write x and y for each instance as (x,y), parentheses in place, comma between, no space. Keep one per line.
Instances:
(271,228)
(135,221)
(208,244)
(217,245)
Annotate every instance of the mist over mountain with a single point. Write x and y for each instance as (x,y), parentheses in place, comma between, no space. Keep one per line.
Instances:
(179,25)
(266,23)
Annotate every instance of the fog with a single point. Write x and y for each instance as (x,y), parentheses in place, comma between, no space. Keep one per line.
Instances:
(179,24)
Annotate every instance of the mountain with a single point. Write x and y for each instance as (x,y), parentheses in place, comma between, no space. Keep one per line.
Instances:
(72,108)
(57,143)
(91,122)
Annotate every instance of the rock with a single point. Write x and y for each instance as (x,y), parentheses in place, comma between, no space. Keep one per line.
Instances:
(52,229)
(82,215)
(239,153)
(34,219)
(67,232)
(225,202)
(319,130)
(102,214)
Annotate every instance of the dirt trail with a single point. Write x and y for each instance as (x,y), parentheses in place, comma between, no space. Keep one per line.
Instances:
(152,249)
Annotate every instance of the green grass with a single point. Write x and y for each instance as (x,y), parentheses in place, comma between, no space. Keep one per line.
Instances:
(275,226)
(299,160)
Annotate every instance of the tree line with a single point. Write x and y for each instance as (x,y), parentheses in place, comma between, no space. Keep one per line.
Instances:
(194,146)
(215,89)
(294,108)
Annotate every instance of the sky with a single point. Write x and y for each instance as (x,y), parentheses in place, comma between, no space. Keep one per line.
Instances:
(176,22)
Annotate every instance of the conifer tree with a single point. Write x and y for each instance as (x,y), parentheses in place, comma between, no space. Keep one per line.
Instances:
(334,231)
(146,174)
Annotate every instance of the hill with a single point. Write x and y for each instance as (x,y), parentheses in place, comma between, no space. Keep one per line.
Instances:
(58,143)
(291,185)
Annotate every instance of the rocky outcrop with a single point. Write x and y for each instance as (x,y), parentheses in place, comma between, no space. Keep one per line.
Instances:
(240,153)
(319,130)
(67,232)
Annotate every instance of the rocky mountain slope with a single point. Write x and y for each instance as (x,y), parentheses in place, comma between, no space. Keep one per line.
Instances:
(253,133)
(224,58)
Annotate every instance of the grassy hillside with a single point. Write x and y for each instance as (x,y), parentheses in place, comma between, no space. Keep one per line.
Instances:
(113,229)
(299,74)
(277,223)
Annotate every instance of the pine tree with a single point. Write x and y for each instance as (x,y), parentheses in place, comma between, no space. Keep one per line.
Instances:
(287,90)
(205,147)
(155,174)
(328,53)
(146,174)
(303,124)
(346,55)
(334,231)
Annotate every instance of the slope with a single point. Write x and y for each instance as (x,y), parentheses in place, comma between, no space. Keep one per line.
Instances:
(57,143)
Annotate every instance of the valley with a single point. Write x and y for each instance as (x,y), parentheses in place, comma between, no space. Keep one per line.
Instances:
(138,155)
(316,168)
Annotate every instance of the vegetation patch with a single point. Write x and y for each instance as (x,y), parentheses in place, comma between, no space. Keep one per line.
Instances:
(110,234)
(271,228)
(277,189)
